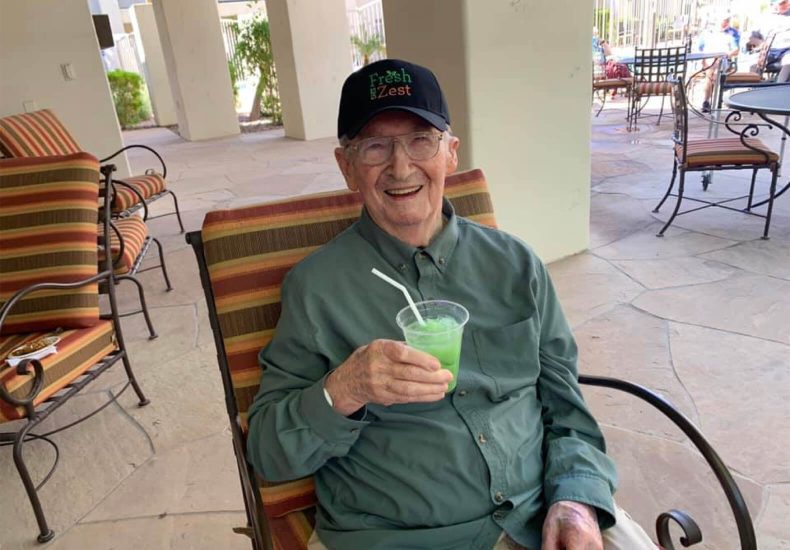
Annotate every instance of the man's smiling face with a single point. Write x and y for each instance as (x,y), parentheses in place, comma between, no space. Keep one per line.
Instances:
(403,196)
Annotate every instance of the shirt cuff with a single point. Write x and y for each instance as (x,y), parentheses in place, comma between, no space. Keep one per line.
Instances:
(590,490)
(325,421)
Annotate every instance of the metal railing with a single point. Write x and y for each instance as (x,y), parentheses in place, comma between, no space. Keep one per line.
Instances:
(366,21)
(652,23)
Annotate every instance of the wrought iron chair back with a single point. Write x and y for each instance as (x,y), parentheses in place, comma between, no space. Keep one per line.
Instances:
(680,107)
(656,64)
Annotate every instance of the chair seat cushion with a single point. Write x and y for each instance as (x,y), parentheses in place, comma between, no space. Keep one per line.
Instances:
(652,88)
(743,77)
(707,152)
(610,83)
(134,232)
(78,350)
(147,185)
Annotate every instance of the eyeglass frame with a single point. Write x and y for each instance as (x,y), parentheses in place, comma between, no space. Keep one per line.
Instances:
(399,139)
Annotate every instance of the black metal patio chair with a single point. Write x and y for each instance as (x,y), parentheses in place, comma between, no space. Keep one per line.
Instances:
(243,255)
(742,152)
(652,67)
(49,301)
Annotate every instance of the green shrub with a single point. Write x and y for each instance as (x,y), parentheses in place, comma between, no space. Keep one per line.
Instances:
(129,97)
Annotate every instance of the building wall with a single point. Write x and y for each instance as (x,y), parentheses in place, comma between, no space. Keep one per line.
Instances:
(35,39)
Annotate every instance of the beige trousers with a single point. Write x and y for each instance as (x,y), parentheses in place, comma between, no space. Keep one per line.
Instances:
(625,535)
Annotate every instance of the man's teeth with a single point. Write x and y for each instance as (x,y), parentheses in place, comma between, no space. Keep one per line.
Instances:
(405,191)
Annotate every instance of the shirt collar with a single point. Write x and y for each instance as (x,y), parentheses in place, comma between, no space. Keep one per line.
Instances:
(399,254)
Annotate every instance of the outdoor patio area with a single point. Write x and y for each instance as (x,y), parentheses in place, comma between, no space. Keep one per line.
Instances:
(700,316)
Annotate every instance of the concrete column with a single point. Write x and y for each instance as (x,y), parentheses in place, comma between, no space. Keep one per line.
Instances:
(312,55)
(152,62)
(517,80)
(36,40)
(191,39)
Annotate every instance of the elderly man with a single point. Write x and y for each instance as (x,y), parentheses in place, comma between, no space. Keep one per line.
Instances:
(511,458)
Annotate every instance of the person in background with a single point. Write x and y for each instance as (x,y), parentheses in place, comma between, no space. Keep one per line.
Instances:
(725,39)
(778,24)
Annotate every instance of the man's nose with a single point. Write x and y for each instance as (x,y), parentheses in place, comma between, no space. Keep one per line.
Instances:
(400,160)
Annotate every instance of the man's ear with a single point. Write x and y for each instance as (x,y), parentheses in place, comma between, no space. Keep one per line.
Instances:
(345,168)
(452,154)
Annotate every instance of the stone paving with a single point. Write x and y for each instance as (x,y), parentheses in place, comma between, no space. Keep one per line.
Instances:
(699,316)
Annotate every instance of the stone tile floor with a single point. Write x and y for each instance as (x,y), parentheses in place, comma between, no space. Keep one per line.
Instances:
(699,316)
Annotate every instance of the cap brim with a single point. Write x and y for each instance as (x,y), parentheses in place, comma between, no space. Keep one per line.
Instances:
(431,118)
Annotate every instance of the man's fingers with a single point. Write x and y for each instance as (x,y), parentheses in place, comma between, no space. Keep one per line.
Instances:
(412,373)
(399,352)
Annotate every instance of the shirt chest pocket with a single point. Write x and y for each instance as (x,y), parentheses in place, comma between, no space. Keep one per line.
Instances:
(509,355)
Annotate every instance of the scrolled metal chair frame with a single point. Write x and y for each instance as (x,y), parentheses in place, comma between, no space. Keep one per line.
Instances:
(36,416)
(680,163)
(143,202)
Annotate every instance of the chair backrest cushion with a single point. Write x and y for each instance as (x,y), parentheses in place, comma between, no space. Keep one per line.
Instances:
(48,213)
(36,134)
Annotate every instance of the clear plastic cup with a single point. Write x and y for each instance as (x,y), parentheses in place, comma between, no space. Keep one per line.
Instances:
(441,334)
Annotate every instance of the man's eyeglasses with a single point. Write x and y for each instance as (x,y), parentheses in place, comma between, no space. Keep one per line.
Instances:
(378,150)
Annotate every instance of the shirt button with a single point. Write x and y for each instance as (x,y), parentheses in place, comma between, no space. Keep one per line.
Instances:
(462,393)
(402,267)
(354,430)
(441,261)
(482,439)
(499,514)
(498,496)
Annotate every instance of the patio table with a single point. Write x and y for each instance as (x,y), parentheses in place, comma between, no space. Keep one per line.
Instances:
(773,100)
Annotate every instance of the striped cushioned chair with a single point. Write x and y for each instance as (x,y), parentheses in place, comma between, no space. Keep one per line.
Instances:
(243,255)
(41,133)
(698,155)
(652,66)
(129,244)
(49,288)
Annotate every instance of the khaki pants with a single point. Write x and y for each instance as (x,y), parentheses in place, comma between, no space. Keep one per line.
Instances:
(625,535)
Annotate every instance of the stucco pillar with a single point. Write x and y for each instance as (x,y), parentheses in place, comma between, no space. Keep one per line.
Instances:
(517,80)
(312,55)
(152,62)
(191,38)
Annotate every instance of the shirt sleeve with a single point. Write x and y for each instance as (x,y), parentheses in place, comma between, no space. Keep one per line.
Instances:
(576,466)
(293,430)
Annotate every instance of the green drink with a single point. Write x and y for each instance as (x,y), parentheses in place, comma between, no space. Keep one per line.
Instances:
(441,333)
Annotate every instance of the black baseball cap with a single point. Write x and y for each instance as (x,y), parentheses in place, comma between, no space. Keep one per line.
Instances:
(389,85)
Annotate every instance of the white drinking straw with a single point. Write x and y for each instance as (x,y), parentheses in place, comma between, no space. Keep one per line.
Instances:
(402,288)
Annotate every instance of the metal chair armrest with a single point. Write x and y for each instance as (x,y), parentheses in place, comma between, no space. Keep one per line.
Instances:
(731,490)
(138,146)
(8,306)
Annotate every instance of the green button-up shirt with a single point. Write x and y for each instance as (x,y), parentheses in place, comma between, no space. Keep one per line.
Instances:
(514,436)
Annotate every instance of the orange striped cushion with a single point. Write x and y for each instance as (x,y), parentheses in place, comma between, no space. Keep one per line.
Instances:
(248,251)
(609,83)
(48,212)
(706,152)
(78,350)
(743,77)
(147,186)
(653,88)
(134,231)
(36,134)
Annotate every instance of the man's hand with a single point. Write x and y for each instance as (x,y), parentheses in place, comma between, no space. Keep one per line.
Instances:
(571,526)
(386,372)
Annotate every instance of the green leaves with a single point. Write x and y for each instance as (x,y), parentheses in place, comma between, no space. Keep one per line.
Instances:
(129,97)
